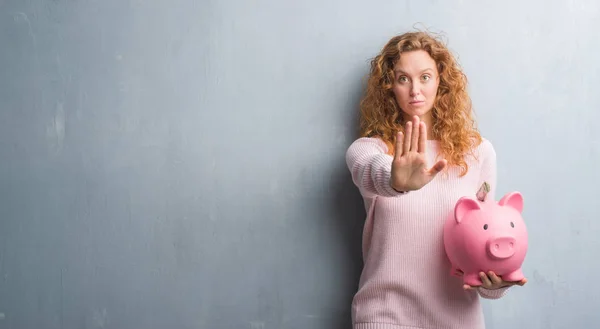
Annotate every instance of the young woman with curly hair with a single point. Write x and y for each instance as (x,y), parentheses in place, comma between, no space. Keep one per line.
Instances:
(417,112)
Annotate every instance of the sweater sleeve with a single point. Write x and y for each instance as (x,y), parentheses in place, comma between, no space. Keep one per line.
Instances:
(371,167)
(489,174)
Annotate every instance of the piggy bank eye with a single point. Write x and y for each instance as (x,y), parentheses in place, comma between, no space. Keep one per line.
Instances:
(485,227)
(512,224)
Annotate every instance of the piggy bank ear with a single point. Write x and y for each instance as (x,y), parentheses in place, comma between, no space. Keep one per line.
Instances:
(513,200)
(463,206)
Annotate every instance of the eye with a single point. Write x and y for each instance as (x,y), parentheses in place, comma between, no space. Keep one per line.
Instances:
(403,79)
(485,227)
(426,77)
(512,224)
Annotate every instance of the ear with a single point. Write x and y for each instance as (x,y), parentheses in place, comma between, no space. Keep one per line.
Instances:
(513,200)
(464,206)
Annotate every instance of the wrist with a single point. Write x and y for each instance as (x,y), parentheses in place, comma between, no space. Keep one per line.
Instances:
(398,190)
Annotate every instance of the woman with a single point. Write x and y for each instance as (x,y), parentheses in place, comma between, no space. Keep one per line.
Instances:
(417,112)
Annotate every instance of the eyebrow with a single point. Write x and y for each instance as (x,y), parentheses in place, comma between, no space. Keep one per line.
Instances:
(422,71)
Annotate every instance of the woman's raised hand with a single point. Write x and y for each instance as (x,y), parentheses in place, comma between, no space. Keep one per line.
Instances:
(409,167)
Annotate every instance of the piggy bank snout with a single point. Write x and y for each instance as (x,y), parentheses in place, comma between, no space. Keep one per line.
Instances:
(502,247)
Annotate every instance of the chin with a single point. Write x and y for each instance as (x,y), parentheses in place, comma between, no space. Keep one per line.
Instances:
(418,111)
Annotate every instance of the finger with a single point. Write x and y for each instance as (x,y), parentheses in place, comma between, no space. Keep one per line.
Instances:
(495,279)
(438,167)
(467,287)
(522,282)
(422,137)
(407,134)
(485,280)
(415,134)
(399,141)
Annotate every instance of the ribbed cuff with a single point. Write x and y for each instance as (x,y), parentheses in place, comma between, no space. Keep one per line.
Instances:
(375,325)
(383,177)
(492,294)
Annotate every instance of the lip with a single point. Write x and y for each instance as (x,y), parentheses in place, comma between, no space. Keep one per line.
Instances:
(416,102)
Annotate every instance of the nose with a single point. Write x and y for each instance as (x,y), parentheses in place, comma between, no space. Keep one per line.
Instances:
(502,247)
(414,89)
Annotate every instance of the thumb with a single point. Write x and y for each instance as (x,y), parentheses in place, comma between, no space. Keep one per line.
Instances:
(439,166)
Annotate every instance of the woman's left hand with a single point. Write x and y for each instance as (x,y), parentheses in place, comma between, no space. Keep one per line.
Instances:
(491,281)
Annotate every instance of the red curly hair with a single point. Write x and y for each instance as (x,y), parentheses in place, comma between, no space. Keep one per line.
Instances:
(453,124)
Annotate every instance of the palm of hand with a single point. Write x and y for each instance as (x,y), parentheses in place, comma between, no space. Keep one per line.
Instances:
(411,171)
(409,167)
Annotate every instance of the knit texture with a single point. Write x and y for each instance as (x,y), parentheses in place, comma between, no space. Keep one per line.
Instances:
(406,281)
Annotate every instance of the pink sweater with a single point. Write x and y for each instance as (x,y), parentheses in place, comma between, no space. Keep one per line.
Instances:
(406,281)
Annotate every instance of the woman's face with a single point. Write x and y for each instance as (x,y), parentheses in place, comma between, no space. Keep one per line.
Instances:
(416,84)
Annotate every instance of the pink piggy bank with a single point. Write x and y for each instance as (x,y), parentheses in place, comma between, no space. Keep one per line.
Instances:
(487,236)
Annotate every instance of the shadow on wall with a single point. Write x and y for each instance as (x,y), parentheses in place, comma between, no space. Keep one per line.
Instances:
(348,213)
